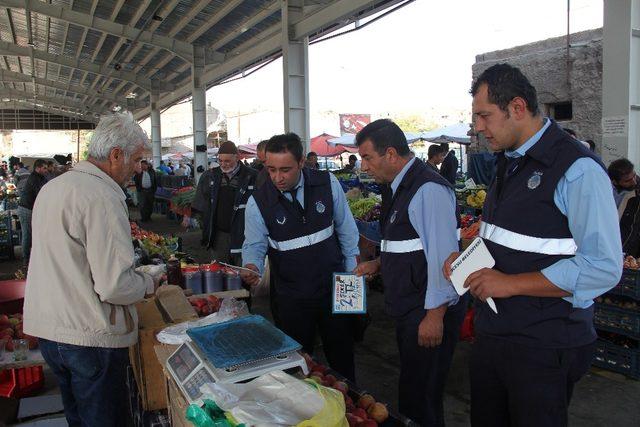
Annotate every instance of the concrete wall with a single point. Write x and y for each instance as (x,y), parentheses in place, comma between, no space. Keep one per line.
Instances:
(545,64)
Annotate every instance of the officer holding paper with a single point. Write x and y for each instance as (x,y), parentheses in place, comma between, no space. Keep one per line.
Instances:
(550,223)
(418,225)
(301,218)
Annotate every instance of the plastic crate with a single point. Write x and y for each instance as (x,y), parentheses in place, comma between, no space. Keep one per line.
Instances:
(618,320)
(616,358)
(629,285)
(22,382)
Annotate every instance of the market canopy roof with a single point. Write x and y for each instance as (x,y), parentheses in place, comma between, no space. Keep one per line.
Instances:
(452,133)
(321,146)
(349,140)
(81,58)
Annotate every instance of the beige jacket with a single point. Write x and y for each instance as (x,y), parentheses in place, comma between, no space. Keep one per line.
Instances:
(82,283)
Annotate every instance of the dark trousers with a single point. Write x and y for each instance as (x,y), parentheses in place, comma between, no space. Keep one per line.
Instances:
(301,318)
(145,200)
(516,385)
(92,382)
(423,371)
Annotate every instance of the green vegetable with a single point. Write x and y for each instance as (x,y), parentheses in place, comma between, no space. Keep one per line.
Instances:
(360,207)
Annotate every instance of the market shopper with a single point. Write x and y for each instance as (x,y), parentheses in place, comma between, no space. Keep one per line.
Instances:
(312,161)
(435,156)
(82,284)
(51,170)
(549,221)
(418,228)
(146,186)
(28,195)
(259,163)
(449,167)
(623,179)
(221,198)
(300,217)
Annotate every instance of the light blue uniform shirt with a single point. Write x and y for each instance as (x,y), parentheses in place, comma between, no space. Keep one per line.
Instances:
(432,213)
(584,196)
(256,234)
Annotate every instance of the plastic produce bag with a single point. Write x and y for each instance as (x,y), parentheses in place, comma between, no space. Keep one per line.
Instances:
(210,415)
(231,308)
(279,399)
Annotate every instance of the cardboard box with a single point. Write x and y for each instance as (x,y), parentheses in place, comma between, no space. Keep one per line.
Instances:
(168,306)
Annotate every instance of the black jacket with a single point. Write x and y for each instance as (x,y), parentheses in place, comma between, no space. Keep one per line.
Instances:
(449,167)
(31,189)
(206,200)
(137,178)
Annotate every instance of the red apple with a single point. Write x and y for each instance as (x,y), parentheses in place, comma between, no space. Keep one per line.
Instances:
(378,412)
(8,332)
(353,420)
(9,345)
(365,401)
(331,379)
(341,386)
(359,412)
(321,368)
(33,342)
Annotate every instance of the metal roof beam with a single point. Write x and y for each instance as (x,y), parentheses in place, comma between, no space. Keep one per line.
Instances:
(11,76)
(10,49)
(177,47)
(255,19)
(19,95)
(217,17)
(333,13)
(47,108)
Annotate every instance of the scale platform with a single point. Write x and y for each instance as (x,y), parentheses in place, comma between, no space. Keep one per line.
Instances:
(231,352)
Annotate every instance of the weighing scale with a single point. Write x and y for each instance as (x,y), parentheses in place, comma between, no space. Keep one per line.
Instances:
(231,352)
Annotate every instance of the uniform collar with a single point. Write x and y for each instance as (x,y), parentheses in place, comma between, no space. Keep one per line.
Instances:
(522,150)
(91,169)
(398,179)
(300,184)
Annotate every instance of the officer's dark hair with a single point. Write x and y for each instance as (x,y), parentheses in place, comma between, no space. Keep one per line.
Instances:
(353,157)
(310,154)
(286,143)
(144,161)
(505,82)
(434,150)
(618,168)
(39,163)
(570,132)
(383,134)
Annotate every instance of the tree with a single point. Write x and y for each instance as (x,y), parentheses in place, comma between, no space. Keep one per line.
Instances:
(413,123)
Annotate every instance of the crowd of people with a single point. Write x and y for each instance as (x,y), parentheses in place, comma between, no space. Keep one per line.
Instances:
(548,222)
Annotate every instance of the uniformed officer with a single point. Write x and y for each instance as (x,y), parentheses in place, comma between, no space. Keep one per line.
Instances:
(418,225)
(550,222)
(300,217)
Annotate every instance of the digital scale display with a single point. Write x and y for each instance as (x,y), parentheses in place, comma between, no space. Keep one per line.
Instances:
(192,386)
(183,362)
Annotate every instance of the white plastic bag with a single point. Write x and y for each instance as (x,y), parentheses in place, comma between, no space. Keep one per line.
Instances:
(231,308)
(273,399)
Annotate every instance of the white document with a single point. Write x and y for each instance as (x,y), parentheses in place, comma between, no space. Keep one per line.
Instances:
(474,258)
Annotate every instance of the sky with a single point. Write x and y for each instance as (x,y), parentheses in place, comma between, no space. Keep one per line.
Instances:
(416,59)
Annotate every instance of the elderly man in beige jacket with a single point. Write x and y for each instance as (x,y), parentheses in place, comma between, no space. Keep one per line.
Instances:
(82,284)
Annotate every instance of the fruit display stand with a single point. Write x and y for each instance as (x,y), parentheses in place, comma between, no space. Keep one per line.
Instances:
(617,321)
(17,378)
(361,408)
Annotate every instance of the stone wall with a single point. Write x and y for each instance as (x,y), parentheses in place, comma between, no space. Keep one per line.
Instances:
(545,64)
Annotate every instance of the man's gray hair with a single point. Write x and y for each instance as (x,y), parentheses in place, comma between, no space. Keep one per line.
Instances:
(117,130)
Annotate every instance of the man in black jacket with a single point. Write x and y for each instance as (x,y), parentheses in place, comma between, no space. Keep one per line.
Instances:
(146,185)
(449,167)
(28,196)
(221,198)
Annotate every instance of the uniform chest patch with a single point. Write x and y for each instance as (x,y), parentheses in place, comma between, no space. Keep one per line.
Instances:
(393,217)
(320,207)
(281,220)
(534,180)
